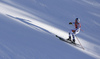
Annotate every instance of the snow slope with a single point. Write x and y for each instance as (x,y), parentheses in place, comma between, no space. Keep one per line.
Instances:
(28,29)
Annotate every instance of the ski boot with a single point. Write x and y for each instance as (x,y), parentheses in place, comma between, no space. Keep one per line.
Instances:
(69,38)
(73,41)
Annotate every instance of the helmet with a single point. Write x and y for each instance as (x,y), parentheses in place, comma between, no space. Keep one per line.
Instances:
(77,20)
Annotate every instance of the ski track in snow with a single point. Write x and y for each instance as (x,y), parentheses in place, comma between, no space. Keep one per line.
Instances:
(31,20)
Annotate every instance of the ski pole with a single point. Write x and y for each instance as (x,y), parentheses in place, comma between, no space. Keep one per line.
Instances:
(81,30)
(80,43)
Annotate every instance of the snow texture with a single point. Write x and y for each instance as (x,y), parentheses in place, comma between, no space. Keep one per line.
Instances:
(28,29)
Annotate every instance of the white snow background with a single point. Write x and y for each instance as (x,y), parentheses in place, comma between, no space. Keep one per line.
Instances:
(28,29)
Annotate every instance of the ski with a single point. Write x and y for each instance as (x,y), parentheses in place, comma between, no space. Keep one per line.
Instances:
(69,42)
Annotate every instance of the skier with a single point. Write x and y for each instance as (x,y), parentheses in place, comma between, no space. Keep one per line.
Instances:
(75,31)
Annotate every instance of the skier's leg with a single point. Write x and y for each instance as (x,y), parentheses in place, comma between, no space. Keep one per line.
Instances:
(69,37)
(77,31)
(70,33)
(73,38)
(74,33)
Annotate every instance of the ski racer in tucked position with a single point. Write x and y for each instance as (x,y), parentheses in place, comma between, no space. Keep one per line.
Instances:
(75,31)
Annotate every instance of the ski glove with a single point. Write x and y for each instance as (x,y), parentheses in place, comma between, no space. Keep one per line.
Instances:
(70,22)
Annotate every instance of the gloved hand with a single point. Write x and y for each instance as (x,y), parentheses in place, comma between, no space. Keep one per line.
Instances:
(70,22)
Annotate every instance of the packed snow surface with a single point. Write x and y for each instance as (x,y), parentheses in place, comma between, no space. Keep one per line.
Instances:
(28,29)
